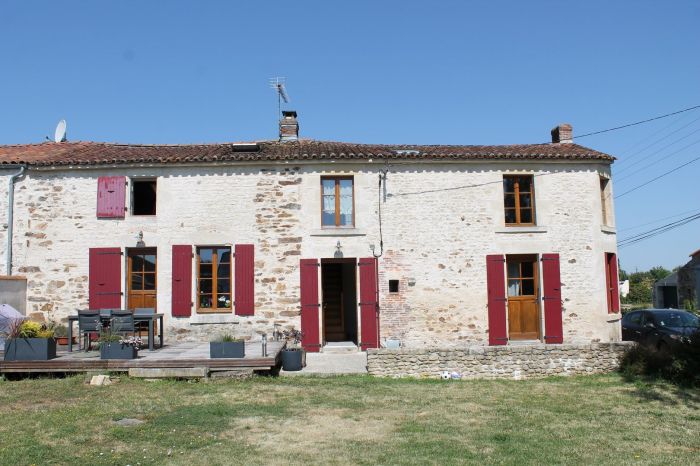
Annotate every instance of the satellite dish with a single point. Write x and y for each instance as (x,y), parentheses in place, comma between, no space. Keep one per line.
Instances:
(60,134)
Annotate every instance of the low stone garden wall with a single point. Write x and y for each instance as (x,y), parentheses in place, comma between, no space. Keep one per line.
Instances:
(497,362)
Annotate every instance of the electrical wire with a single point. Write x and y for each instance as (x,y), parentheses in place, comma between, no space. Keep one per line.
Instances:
(657,231)
(656,178)
(657,161)
(637,122)
(620,230)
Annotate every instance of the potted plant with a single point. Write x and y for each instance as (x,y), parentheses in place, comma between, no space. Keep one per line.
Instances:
(29,341)
(60,333)
(293,355)
(227,346)
(116,346)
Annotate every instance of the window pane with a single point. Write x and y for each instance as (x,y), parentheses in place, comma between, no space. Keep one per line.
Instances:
(510,215)
(223,255)
(510,200)
(136,263)
(508,184)
(223,271)
(525,183)
(223,301)
(149,262)
(329,187)
(205,255)
(223,285)
(513,270)
(136,281)
(525,200)
(525,215)
(513,287)
(205,270)
(149,281)
(528,287)
(346,202)
(527,269)
(205,286)
(328,217)
(205,301)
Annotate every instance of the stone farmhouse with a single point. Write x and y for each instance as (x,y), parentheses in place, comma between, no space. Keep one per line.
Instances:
(429,246)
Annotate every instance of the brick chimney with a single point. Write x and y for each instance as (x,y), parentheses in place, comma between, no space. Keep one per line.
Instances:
(563,133)
(289,126)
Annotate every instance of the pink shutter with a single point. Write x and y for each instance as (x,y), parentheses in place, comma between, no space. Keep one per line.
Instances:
(496,286)
(369,305)
(182,281)
(105,278)
(244,287)
(551,298)
(612,280)
(111,196)
(309,270)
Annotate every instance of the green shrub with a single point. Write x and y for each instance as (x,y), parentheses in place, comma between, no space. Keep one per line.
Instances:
(678,363)
(227,338)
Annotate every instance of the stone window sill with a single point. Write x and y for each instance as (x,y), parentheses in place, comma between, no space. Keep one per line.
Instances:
(530,229)
(338,232)
(607,229)
(204,319)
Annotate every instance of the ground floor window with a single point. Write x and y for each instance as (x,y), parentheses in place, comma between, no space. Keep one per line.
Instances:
(214,279)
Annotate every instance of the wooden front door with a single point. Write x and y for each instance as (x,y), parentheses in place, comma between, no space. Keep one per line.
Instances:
(332,305)
(141,278)
(522,288)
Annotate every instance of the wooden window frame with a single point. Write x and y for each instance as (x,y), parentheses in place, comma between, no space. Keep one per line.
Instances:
(516,193)
(130,253)
(337,180)
(604,195)
(520,259)
(214,281)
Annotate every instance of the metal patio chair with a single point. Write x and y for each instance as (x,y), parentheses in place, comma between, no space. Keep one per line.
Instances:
(88,322)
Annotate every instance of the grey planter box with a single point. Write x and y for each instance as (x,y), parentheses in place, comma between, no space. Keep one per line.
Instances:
(30,349)
(292,360)
(115,350)
(226,349)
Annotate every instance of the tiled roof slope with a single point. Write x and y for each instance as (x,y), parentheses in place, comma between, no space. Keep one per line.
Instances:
(96,153)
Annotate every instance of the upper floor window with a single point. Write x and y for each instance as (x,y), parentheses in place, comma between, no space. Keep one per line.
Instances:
(337,202)
(214,279)
(519,199)
(143,197)
(605,200)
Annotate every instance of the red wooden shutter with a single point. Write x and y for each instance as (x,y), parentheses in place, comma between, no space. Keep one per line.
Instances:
(111,196)
(244,287)
(612,283)
(182,281)
(496,284)
(551,298)
(369,305)
(309,269)
(105,278)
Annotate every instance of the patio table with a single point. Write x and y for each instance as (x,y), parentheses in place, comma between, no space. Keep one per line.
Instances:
(105,315)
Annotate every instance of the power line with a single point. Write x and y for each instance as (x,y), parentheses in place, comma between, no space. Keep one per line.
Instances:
(658,177)
(657,161)
(657,231)
(637,122)
(650,136)
(693,211)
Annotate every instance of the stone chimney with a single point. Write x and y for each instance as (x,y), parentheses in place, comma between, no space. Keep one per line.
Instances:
(563,133)
(289,126)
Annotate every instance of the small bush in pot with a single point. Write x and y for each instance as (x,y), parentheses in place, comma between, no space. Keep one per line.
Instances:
(116,346)
(60,332)
(227,346)
(29,341)
(293,355)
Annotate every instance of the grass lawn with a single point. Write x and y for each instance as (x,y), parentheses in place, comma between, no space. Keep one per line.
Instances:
(341,420)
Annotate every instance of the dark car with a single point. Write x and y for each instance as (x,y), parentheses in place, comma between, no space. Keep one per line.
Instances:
(659,328)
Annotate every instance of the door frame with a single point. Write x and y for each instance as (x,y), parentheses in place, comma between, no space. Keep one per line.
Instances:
(322,325)
(537,271)
(127,270)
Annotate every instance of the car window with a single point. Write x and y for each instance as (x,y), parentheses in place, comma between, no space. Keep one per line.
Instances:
(677,319)
(635,318)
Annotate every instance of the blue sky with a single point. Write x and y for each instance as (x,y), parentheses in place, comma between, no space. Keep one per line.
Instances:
(367,71)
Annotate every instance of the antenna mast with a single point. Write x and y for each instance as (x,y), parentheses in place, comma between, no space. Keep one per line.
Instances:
(278,84)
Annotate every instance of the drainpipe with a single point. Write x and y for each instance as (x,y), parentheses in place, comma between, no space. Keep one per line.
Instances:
(10,217)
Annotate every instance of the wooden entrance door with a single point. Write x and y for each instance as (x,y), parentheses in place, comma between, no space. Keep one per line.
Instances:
(141,278)
(522,288)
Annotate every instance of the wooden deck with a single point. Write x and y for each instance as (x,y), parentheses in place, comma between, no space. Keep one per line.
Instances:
(178,356)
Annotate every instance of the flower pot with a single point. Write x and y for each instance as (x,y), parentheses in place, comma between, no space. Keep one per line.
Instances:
(64,341)
(30,349)
(226,349)
(116,350)
(292,360)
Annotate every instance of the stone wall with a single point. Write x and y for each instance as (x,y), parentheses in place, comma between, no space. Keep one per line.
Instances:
(498,362)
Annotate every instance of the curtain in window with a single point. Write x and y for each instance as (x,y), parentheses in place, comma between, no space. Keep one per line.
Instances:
(328,202)
(346,202)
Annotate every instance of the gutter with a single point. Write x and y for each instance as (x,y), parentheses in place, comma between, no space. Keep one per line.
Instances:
(10,217)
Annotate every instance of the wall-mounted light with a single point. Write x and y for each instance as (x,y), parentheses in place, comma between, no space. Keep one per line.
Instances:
(338,251)
(139,240)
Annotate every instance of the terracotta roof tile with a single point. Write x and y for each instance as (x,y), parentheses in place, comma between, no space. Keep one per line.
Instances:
(98,153)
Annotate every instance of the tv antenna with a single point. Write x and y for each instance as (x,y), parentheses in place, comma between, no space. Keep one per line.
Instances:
(60,134)
(279,85)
